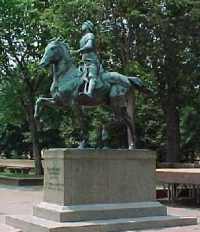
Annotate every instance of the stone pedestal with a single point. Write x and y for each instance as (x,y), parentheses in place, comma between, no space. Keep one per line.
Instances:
(74,177)
(102,190)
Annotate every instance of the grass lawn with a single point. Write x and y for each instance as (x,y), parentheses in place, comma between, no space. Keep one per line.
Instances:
(16,175)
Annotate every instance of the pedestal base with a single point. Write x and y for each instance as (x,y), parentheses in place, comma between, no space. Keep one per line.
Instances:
(98,190)
(98,211)
(35,224)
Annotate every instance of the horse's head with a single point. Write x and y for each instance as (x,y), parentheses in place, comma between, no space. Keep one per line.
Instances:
(55,51)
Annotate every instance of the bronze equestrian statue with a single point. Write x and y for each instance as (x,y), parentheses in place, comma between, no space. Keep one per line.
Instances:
(87,87)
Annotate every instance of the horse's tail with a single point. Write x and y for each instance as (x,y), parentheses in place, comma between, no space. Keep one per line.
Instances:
(139,85)
(126,81)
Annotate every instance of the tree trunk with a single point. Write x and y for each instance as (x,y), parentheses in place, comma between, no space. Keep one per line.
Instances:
(35,141)
(173,131)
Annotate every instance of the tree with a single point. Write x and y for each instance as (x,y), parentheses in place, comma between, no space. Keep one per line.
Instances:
(22,36)
(172,51)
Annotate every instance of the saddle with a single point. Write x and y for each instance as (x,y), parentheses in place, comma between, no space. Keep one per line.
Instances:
(85,80)
(84,72)
(83,97)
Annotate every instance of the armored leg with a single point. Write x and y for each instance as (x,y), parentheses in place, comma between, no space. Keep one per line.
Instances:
(92,75)
(91,87)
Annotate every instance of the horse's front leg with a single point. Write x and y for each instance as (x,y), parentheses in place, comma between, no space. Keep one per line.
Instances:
(42,101)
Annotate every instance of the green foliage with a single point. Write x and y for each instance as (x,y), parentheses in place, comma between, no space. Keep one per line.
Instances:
(13,141)
(156,40)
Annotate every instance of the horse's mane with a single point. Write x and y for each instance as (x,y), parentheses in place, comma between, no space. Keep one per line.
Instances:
(61,43)
(66,49)
(65,46)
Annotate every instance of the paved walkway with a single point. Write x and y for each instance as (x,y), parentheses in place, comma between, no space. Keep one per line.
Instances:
(180,211)
(20,201)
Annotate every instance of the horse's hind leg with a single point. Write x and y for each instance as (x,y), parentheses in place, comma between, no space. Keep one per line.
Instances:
(130,112)
(122,114)
(131,132)
(124,111)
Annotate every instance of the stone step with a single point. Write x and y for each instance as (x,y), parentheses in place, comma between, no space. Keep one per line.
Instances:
(76,213)
(6,228)
(35,224)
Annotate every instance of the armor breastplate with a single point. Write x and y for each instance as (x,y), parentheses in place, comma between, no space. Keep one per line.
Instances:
(90,55)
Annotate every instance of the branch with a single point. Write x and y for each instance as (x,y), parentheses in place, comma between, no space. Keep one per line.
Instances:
(23,69)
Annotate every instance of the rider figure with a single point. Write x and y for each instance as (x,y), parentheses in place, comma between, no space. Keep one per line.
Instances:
(89,56)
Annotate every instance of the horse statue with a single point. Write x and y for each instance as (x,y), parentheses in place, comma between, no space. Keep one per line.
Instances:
(67,89)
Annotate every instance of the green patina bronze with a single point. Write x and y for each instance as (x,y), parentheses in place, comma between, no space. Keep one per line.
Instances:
(89,57)
(72,86)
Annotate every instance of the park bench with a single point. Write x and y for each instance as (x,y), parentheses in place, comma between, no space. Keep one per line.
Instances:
(17,165)
(179,179)
(2,168)
(18,169)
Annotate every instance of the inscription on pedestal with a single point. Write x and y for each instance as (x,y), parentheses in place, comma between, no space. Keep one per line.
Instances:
(53,179)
